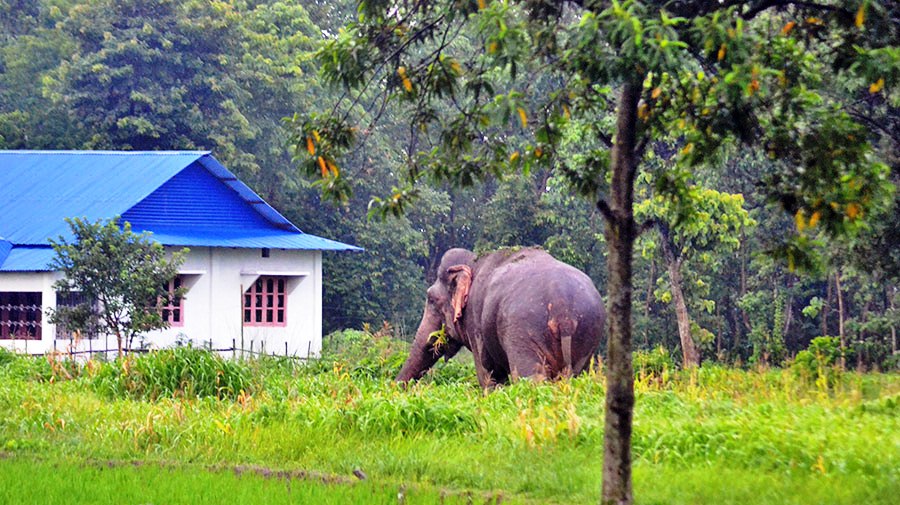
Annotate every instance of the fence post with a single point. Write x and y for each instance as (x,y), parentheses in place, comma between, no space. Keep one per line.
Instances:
(90,349)
(251,347)
(308,350)
(285,349)
(233,349)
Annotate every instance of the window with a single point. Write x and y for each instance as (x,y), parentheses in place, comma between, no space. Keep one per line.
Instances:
(20,315)
(73,299)
(265,302)
(173,313)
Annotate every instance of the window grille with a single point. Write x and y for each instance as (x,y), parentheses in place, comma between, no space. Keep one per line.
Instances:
(73,299)
(20,315)
(265,302)
(173,312)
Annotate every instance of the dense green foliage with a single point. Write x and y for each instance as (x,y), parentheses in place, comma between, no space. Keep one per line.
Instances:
(221,75)
(713,435)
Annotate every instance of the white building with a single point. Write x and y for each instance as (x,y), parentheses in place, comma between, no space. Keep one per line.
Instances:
(252,277)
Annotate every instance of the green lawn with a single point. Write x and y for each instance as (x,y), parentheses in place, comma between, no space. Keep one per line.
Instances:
(26,481)
(713,436)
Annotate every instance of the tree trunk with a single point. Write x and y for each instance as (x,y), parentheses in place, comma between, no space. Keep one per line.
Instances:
(650,282)
(673,263)
(862,357)
(840,300)
(736,327)
(788,314)
(719,329)
(892,292)
(826,307)
(745,317)
(620,236)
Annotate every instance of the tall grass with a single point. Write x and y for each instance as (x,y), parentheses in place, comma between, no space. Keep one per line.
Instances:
(183,371)
(831,442)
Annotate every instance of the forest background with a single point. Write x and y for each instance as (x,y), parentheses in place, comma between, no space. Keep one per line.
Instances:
(222,75)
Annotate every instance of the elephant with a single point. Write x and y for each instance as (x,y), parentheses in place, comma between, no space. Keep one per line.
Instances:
(521,312)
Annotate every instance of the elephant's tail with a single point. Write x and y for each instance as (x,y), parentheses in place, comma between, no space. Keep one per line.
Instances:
(562,329)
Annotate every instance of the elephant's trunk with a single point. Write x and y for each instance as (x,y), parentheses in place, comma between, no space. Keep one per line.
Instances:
(423,354)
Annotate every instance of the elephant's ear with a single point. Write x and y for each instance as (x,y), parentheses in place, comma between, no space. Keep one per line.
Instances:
(461,281)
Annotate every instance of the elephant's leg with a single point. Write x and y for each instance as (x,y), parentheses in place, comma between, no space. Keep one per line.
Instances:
(528,363)
(530,352)
(485,367)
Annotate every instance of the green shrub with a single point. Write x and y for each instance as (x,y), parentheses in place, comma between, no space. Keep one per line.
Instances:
(37,368)
(6,356)
(407,414)
(819,360)
(183,371)
(657,363)
(459,370)
(365,354)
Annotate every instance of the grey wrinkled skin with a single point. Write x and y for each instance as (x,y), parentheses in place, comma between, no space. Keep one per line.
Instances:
(522,313)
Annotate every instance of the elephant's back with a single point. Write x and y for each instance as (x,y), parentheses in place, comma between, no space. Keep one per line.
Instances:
(540,278)
(541,291)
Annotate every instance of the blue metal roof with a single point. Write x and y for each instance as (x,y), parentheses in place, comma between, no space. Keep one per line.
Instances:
(39,189)
(28,259)
(5,247)
(273,239)
(186,198)
(196,200)
(249,196)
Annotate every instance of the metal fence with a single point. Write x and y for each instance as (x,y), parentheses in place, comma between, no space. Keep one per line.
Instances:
(250,349)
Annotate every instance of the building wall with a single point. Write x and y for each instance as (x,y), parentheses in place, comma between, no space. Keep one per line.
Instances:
(215,279)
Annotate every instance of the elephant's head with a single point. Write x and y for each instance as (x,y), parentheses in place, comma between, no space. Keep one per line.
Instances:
(444,305)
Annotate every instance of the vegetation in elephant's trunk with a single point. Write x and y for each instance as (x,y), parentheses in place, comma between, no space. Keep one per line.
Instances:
(425,350)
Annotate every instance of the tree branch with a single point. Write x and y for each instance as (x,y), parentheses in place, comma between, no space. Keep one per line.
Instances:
(768,4)
(606,210)
(641,147)
(646,225)
(606,139)
(383,62)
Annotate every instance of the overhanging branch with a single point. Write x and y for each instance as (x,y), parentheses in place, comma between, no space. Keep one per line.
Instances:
(768,4)
(606,210)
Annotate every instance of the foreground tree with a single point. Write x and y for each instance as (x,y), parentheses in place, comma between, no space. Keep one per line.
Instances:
(119,280)
(711,73)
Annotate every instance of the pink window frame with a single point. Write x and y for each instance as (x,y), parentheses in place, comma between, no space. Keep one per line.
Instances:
(171,287)
(265,299)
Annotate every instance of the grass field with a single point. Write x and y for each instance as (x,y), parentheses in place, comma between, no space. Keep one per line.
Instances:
(94,434)
(66,482)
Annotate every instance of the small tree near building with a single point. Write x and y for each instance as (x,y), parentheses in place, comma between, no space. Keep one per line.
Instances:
(121,278)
